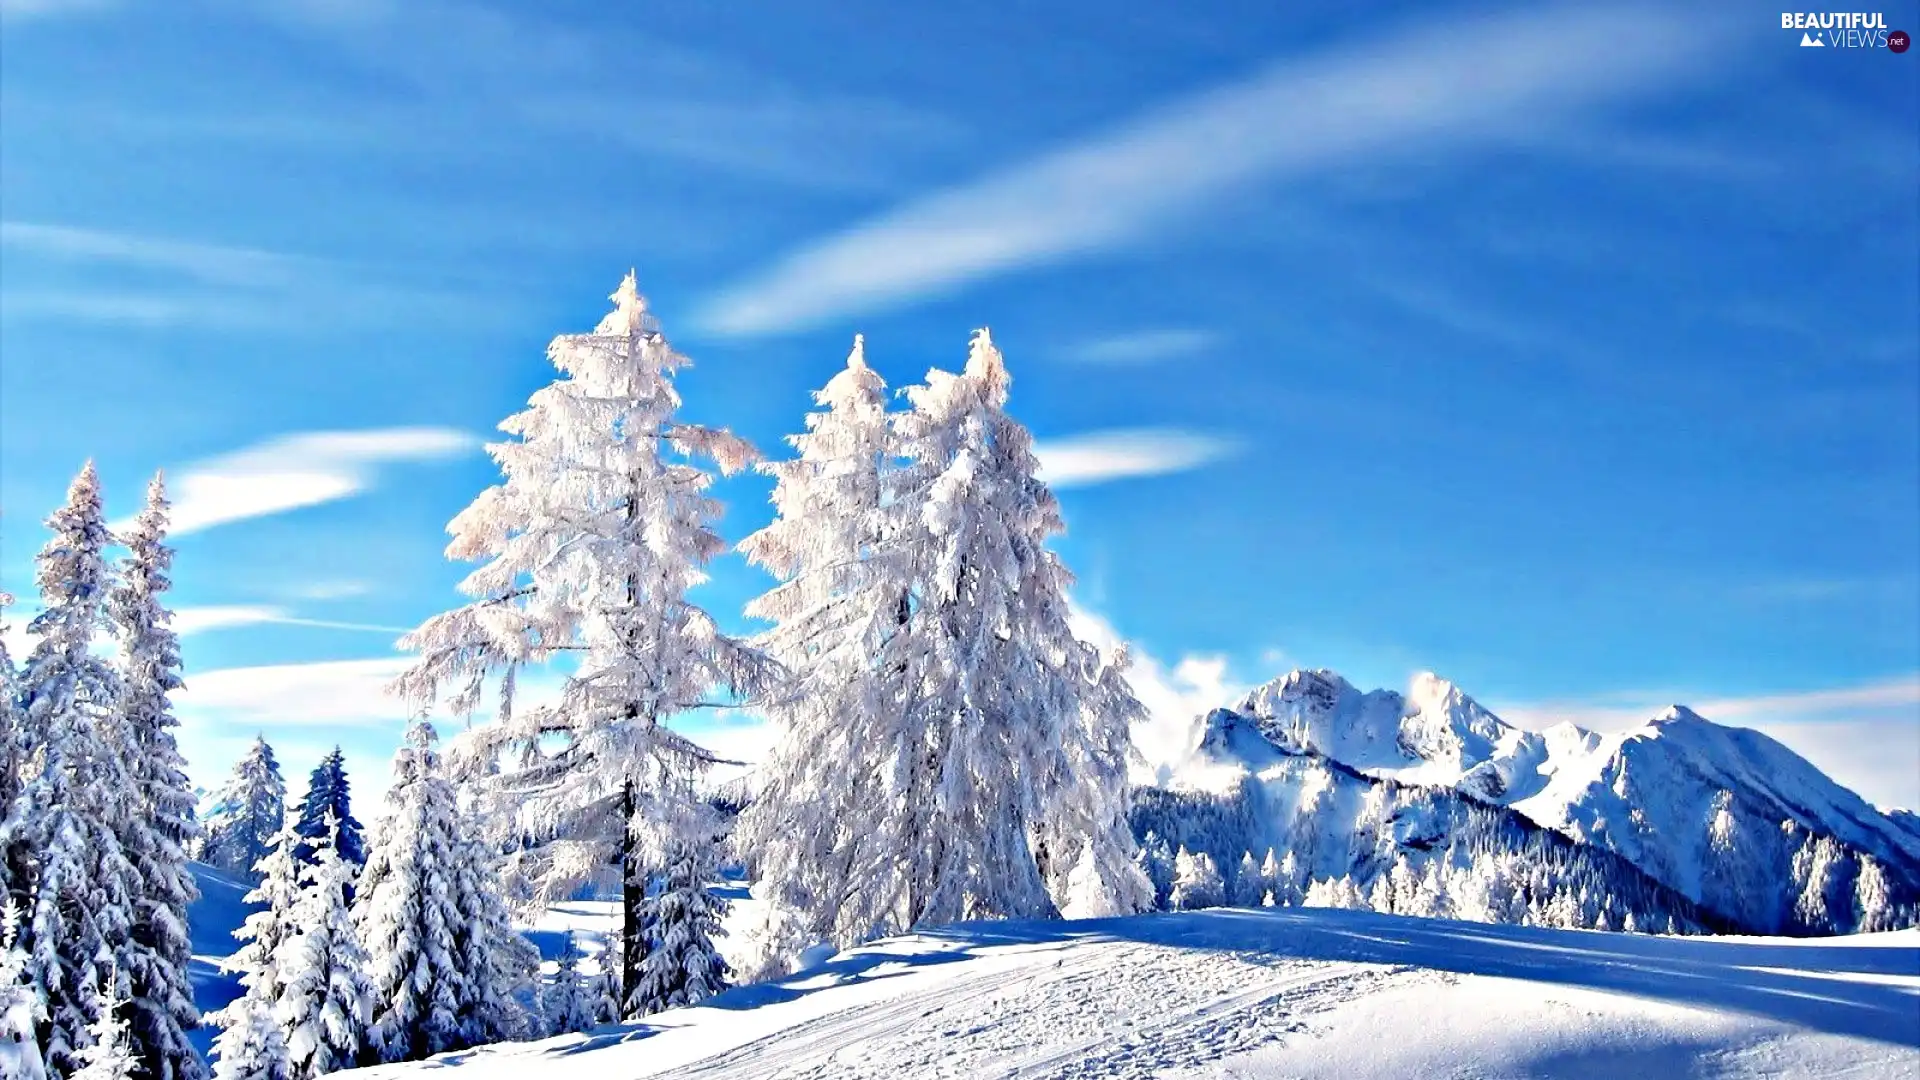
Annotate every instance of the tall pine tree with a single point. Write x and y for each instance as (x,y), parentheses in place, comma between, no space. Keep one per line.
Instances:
(249,810)
(329,798)
(12,754)
(599,527)
(406,913)
(160,1009)
(324,1001)
(840,611)
(74,801)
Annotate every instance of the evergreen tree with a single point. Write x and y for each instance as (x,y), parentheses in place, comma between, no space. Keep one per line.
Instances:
(839,601)
(250,1046)
(72,807)
(247,813)
(1196,882)
(683,966)
(157,834)
(1249,885)
(1155,860)
(600,525)
(329,799)
(109,1053)
(323,1002)
(22,1007)
(569,1000)
(12,754)
(498,962)
(406,910)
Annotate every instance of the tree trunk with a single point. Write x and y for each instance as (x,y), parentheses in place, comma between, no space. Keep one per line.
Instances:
(633,895)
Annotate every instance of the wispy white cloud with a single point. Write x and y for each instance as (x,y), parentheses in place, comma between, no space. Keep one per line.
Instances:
(1100,456)
(333,692)
(215,264)
(1461,81)
(1176,696)
(297,471)
(1142,347)
(330,590)
(188,621)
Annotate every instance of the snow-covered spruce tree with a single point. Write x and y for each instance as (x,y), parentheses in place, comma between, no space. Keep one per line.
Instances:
(12,753)
(71,810)
(249,810)
(1249,885)
(21,1005)
(683,964)
(498,962)
(162,826)
(842,600)
(263,936)
(1014,755)
(110,1053)
(329,798)
(569,1000)
(1155,860)
(249,1046)
(926,623)
(407,913)
(1196,881)
(599,526)
(324,1000)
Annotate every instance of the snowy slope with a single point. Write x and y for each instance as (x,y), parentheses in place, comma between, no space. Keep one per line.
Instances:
(211,921)
(1275,993)
(1724,815)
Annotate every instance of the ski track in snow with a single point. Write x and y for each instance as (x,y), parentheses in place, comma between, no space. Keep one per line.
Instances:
(1071,1017)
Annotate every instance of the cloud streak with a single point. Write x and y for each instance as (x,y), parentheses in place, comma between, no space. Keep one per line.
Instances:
(1142,347)
(1102,456)
(298,471)
(188,621)
(1447,83)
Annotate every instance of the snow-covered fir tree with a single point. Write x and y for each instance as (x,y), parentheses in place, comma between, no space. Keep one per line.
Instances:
(72,806)
(109,1053)
(22,1006)
(247,813)
(12,753)
(159,832)
(329,798)
(443,960)
(324,1000)
(683,964)
(569,999)
(601,523)
(1282,876)
(1155,860)
(1196,881)
(1249,884)
(842,598)
(927,628)
(263,936)
(498,962)
(406,910)
(249,1046)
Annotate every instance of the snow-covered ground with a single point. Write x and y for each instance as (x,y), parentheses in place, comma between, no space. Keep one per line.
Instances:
(1275,993)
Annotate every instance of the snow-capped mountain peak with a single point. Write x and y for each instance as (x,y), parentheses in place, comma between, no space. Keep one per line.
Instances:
(1671,795)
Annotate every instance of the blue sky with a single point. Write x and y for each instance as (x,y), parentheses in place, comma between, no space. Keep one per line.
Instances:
(1570,352)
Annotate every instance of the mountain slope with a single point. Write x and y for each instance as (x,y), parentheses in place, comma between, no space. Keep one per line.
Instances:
(1726,816)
